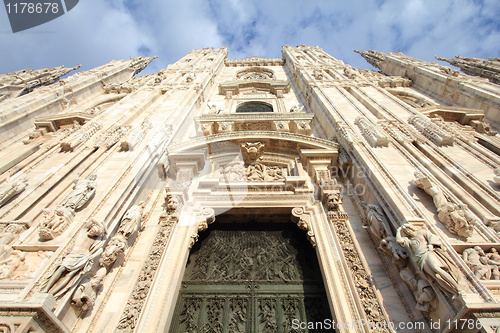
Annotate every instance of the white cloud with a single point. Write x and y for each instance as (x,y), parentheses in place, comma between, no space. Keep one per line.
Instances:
(97,31)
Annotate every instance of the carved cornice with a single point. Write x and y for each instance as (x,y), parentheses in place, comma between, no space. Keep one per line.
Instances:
(254,61)
(249,116)
(300,123)
(303,140)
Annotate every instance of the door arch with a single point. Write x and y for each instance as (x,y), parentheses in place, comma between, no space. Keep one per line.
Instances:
(251,277)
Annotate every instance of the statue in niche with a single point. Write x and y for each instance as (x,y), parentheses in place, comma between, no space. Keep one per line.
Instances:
(422,290)
(9,265)
(255,172)
(375,220)
(425,250)
(88,244)
(296,109)
(55,222)
(474,258)
(131,221)
(86,293)
(391,247)
(318,74)
(10,188)
(492,259)
(457,219)
(9,234)
(434,191)
(83,191)
(273,173)
(482,127)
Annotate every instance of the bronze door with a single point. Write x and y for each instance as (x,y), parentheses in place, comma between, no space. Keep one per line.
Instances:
(240,279)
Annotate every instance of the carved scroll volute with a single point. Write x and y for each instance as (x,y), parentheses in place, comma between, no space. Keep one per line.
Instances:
(303,221)
(205,217)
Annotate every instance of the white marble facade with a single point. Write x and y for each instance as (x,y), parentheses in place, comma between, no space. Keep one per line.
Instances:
(107,179)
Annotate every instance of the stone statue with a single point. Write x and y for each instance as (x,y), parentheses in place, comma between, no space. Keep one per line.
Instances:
(55,222)
(131,221)
(422,290)
(10,188)
(273,173)
(496,179)
(9,265)
(333,201)
(296,108)
(391,247)
(492,258)
(255,172)
(434,191)
(173,203)
(234,171)
(113,249)
(86,293)
(473,258)
(213,109)
(482,127)
(375,219)
(457,219)
(189,77)
(350,72)
(9,234)
(83,191)
(318,74)
(80,260)
(425,250)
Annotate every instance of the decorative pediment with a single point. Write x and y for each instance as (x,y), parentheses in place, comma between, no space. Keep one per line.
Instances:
(53,123)
(450,113)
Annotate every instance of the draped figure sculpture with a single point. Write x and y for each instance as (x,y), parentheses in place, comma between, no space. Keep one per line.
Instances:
(425,249)
(88,244)
(82,192)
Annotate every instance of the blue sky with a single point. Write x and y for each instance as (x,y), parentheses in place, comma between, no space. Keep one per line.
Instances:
(97,31)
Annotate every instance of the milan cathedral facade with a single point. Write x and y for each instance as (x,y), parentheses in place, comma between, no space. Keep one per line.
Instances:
(251,195)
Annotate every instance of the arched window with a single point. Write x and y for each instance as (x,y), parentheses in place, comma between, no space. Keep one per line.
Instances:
(254,107)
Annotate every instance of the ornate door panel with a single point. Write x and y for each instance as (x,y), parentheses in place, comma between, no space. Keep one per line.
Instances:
(240,279)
